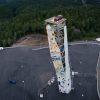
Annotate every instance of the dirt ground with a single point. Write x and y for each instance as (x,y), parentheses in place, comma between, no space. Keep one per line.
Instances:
(32,40)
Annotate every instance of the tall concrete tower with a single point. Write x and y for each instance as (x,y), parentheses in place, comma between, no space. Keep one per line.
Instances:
(58,44)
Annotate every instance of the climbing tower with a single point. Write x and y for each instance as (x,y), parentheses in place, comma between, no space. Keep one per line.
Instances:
(58,44)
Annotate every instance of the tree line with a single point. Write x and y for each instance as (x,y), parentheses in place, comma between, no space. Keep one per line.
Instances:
(83,22)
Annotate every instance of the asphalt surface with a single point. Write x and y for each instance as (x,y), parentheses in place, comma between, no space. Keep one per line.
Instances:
(25,72)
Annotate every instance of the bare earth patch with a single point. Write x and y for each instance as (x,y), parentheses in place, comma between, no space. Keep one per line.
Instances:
(35,40)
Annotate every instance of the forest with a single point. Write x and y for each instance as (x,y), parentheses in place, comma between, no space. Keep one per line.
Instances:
(22,17)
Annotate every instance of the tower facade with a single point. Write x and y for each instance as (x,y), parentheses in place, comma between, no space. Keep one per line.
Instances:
(58,44)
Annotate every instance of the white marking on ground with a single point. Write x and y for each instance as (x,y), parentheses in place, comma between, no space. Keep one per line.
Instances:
(74,73)
(40,48)
(84,43)
(82,95)
(23,81)
(41,95)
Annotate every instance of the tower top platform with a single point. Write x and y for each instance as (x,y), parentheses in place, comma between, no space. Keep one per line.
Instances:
(55,20)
